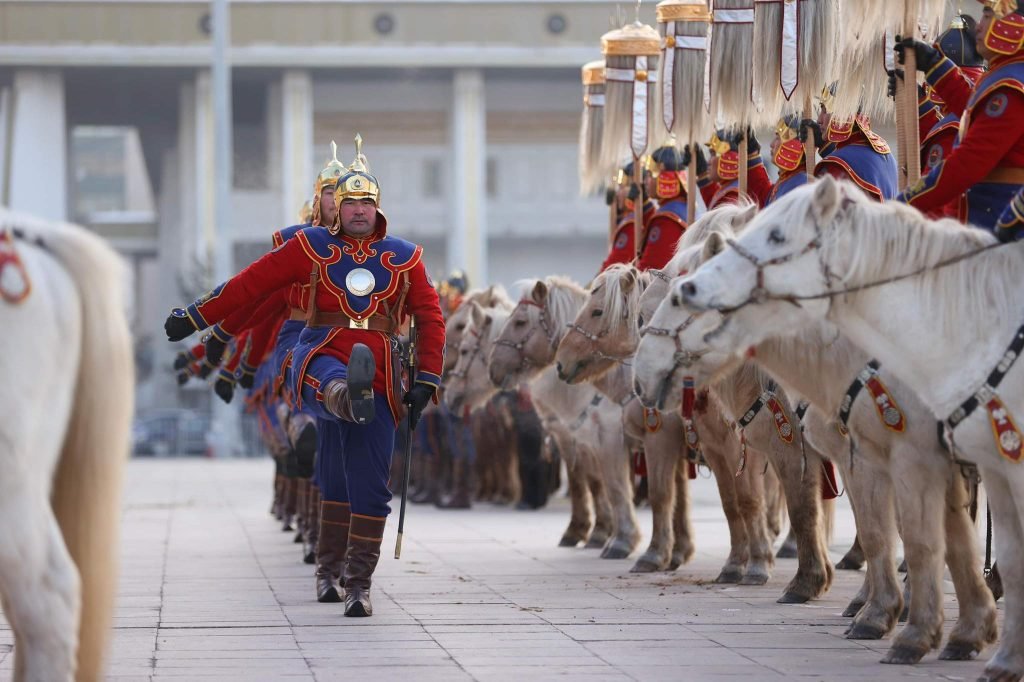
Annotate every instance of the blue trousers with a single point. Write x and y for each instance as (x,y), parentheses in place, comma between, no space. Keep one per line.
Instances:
(353,461)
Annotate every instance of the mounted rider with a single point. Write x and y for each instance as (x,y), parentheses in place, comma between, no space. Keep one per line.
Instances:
(623,248)
(722,180)
(789,157)
(667,183)
(986,169)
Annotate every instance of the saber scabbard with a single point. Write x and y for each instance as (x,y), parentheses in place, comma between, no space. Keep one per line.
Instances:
(411,364)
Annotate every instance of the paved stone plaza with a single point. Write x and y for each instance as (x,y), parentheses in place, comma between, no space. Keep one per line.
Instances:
(211,589)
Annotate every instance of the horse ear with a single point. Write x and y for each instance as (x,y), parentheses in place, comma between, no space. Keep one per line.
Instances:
(476,313)
(627,280)
(540,292)
(741,218)
(489,297)
(713,245)
(826,201)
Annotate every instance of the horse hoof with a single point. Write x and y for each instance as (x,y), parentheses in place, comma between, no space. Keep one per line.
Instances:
(903,655)
(848,564)
(298,539)
(754,579)
(959,651)
(865,631)
(787,551)
(596,542)
(569,541)
(904,614)
(793,598)
(852,609)
(310,558)
(1000,675)
(729,576)
(615,551)
(644,566)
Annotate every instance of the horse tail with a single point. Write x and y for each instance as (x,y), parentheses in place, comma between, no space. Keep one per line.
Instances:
(828,518)
(86,495)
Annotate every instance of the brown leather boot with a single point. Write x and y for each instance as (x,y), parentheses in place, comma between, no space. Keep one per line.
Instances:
(301,491)
(364,539)
(313,526)
(291,489)
(330,549)
(351,399)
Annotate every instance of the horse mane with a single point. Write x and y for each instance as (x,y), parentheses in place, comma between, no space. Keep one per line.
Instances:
(889,239)
(494,296)
(619,307)
(565,298)
(716,220)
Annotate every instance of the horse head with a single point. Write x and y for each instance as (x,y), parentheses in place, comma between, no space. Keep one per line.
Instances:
(604,332)
(468,384)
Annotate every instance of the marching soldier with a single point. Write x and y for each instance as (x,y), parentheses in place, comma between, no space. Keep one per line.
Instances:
(850,150)
(986,169)
(364,284)
(788,156)
(622,249)
(667,183)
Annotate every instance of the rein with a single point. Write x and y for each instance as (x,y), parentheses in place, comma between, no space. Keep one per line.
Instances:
(681,358)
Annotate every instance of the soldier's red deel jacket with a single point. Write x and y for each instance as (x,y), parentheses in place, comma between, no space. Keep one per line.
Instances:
(623,249)
(664,229)
(986,168)
(398,274)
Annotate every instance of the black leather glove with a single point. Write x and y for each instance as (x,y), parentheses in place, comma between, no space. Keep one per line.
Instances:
(808,126)
(927,55)
(417,398)
(182,359)
(183,378)
(178,325)
(224,389)
(246,381)
(609,196)
(893,75)
(214,350)
(753,146)
(205,370)
(702,162)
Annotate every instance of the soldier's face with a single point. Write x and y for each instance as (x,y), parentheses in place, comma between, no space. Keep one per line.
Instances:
(824,118)
(987,17)
(358,217)
(776,143)
(651,185)
(328,210)
(713,175)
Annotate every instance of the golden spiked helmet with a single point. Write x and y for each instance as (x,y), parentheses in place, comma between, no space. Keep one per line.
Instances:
(357,182)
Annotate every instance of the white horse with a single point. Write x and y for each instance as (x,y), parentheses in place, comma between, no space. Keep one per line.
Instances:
(587,426)
(821,365)
(67,400)
(935,303)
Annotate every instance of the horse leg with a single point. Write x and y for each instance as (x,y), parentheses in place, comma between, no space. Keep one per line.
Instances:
(40,586)
(684,547)
(788,548)
(750,494)
(604,525)
(976,625)
(661,492)
(918,476)
(853,560)
(870,491)
(1005,488)
(615,469)
(801,483)
(582,504)
(722,456)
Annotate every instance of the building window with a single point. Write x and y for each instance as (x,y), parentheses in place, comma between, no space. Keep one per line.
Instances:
(491,177)
(432,180)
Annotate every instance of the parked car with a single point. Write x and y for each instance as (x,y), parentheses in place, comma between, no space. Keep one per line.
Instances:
(168,432)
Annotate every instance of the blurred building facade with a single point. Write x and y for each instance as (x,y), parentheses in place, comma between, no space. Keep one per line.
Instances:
(469,110)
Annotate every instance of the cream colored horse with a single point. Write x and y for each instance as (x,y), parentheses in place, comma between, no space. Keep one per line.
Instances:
(589,426)
(66,398)
(830,243)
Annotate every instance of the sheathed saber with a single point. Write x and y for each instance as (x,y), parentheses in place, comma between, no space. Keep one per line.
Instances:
(411,363)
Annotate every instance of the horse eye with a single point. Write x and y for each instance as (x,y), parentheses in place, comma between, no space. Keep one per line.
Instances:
(776,236)
(460,327)
(597,313)
(464,351)
(640,321)
(520,323)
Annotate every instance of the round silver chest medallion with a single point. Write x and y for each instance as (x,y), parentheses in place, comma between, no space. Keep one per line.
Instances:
(360,281)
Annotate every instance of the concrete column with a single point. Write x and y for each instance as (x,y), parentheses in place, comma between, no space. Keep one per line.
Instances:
(38,171)
(467,241)
(203,179)
(296,135)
